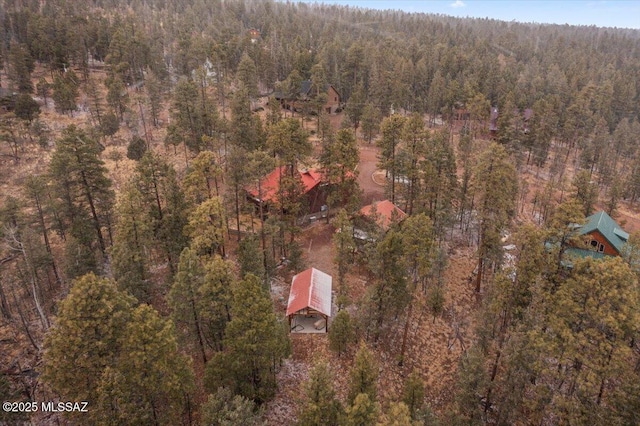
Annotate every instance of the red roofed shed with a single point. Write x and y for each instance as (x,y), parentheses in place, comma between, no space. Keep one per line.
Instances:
(309,306)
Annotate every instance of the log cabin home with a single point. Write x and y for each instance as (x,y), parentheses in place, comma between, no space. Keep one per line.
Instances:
(267,190)
(601,237)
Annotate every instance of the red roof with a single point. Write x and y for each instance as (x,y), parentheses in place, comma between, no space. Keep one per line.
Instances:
(269,184)
(310,289)
(386,212)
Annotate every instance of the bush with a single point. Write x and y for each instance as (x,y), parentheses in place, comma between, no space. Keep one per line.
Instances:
(136,149)
(26,108)
(110,124)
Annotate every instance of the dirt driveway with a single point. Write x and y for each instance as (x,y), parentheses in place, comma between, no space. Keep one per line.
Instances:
(367,166)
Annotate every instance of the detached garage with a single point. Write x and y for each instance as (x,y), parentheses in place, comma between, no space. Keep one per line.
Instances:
(309,306)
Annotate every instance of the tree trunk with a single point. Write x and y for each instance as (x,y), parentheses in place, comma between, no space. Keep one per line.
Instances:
(45,235)
(237,202)
(479,276)
(24,322)
(94,214)
(196,321)
(4,305)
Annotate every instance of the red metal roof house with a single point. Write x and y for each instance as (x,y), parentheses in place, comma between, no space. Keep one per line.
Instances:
(267,192)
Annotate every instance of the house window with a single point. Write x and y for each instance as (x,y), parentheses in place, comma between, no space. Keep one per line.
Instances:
(601,248)
(594,243)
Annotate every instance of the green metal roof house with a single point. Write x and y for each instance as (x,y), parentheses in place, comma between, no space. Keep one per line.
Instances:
(602,237)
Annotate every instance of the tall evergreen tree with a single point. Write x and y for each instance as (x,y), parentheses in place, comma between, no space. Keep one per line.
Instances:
(164,205)
(413,394)
(21,65)
(345,247)
(255,344)
(206,227)
(340,160)
(65,92)
(151,381)
(341,333)
(245,128)
(363,412)
(185,299)
(363,375)
(391,129)
(133,236)
(496,187)
(321,406)
(85,338)
(226,409)
(585,191)
(83,189)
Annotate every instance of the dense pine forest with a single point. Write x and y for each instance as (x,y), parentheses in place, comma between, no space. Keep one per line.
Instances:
(169,168)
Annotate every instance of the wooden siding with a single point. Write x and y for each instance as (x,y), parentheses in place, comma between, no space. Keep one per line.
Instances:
(600,239)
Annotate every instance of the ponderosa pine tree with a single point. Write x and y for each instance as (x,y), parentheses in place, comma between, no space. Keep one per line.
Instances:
(355,107)
(133,235)
(397,415)
(215,298)
(418,242)
(247,75)
(187,115)
(185,300)
(254,345)
(153,89)
(203,178)
(290,142)
(223,408)
(363,375)
(440,182)
(340,160)
(260,164)
(341,333)
(390,294)
(250,257)
(21,65)
(200,298)
(36,192)
(150,381)
(593,317)
(585,191)
(83,190)
(95,100)
(413,395)
(206,227)
(413,151)
(65,92)
(164,205)
(321,406)
(560,230)
(370,122)
(26,108)
(85,338)
(345,247)
(391,129)
(496,187)
(363,412)
(245,128)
